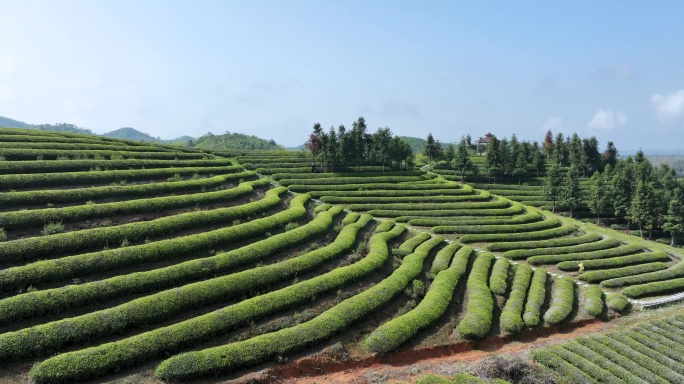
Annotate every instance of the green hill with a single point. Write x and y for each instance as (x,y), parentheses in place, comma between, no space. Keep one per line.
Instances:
(417,144)
(234,141)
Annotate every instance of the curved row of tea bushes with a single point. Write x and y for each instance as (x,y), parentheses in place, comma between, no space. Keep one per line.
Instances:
(150,309)
(676,271)
(443,258)
(213,361)
(80,178)
(450,214)
(167,249)
(498,280)
(322,208)
(408,246)
(593,369)
(668,349)
(38,217)
(511,316)
(319,190)
(338,177)
(480,304)
(469,220)
(557,250)
(625,360)
(613,262)
(57,300)
(81,146)
(397,331)
(52,166)
(562,299)
(50,154)
(548,223)
(392,193)
(567,370)
(113,356)
(535,298)
(351,218)
(616,301)
(622,250)
(563,230)
(306,169)
(552,243)
(26,136)
(654,288)
(418,208)
(351,180)
(593,300)
(384,226)
(402,199)
(81,195)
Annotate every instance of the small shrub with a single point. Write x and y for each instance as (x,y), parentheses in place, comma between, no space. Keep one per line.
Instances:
(3,235)
(291,225)
(175,177)
(52,228)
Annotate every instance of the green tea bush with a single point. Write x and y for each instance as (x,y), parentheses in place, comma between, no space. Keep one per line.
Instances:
(654,288)
(480,304)
(596,365)
(562,299)
(563,230)
(401,199)
(603,254)
(351,218)
(557,250)
(498,280)
(443,258)
(553,243)
(593,300)
(430,206)
(397,331)
(616,301)
(511,316)
(409,245)
(535,298)
(498,229)
(384,226)
(322,208)
(604,274)
(676,271)
(55,166)
(612,262)
(567,370)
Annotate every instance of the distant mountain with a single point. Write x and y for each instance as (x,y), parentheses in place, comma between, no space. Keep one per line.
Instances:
(128,133)
(11,123)
(234,141)
(297,148)
(417,144)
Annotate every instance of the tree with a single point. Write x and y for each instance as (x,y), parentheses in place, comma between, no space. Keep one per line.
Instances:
(449,153)
(591,156)
(598,194)
(560,150)
(538,160)
(552,185)
(571,193)
(520,165)
(674,220)
(622,187)
(610,155)
(314,145)
(642,207)
(547,145)
(381,144)
(494,161)
(431,149)
(462,161)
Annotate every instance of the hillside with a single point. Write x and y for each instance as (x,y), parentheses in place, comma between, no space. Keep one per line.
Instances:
(128,133)
(11,123)
(417,144)
(234,141)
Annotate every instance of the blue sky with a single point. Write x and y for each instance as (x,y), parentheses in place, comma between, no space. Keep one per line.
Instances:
(614,69)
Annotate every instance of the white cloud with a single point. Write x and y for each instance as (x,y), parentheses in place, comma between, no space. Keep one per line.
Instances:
(553,124)
(606,119)
(7,63)
(668,107)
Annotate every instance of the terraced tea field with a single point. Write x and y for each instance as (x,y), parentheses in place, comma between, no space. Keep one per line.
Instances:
(122,257)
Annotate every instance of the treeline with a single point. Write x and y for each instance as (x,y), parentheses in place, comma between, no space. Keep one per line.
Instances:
(233,141)
(358,146)
(650,197)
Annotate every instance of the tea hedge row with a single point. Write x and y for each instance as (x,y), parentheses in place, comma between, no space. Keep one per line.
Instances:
(535,298)
(51,154)
(38,217)
(511,316)
(443,258)
(563,230)
(465,208)
(565,241)
(112,357)
(77,265)
(498,280)
(480,304)
(408,246)
(53,166)
(397,331)
(654,288)
(384,226)
(391,193)
(341,177)
(81,178)
(562,299)
(38,303)
(351,218)
(676,271)
(213,361)
(622,250)
(469,220)
(616,301)
(593,300)
(548,223)
(567,370)
(613,262)
(351,180)
(468,214)
(402,199)
(81,195)
(557,250)
(319,190)
(81,146)
(601,370)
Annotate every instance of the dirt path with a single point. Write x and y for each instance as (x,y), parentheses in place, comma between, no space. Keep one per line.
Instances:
(405,365)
